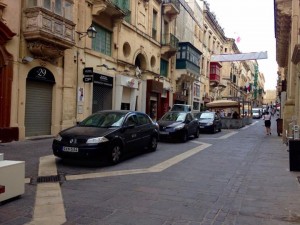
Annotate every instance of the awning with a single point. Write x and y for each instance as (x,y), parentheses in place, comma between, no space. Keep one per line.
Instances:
(223,104)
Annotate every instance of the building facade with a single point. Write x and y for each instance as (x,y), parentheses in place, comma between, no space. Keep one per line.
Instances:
(287,17)
(62,60)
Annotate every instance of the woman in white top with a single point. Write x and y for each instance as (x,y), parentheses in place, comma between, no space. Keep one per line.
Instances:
(267,119)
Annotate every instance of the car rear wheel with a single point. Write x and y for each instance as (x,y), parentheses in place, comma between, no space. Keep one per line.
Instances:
(153,144)
(115,154)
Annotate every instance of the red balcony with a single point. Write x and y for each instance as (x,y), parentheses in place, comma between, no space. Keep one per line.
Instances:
(214,76)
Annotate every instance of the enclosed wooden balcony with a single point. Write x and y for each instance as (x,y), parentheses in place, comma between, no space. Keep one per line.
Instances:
(214,76)
(46,33)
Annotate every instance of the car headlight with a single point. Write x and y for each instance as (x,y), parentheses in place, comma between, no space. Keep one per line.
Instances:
(96,140)
(179,127)
(58,138)
(210,123)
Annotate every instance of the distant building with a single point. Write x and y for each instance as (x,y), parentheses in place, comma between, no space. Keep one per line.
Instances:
(270,97)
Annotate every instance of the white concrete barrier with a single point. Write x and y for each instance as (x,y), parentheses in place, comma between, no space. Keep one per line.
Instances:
(12,177)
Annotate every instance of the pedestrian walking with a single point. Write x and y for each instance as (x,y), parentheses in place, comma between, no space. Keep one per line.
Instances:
(267,119)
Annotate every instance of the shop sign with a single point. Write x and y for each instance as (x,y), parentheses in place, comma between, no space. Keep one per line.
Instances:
(103,80)
(155,86)
(131,83)
(178,96)
(40,73)
(87,79)
(88,71)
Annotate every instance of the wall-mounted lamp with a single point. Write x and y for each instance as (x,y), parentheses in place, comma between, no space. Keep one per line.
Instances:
(26,59)
(91,32)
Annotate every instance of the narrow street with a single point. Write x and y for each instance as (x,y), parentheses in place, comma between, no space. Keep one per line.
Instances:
(232,177)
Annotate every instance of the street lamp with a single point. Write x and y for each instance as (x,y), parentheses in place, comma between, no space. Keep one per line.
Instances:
(91,32)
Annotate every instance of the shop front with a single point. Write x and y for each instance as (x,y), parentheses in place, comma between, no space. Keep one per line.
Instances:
(102,92)
(7,133)
(38,108)
(127,94)
(155,104)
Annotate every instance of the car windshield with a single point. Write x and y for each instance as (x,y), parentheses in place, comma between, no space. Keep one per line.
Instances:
(206,116)
(174,116)
(104,120)
(255,110)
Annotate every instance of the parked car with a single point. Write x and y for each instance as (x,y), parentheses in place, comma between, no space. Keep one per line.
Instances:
(181,107)
(256,113)
(107,135)
(178,125)
(209,121)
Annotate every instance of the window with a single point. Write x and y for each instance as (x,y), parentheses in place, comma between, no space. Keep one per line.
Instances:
(102,41)
(164,64)
(47,4)
(32,3)
(154,25)
(60,7)
(132,120)
(68,10)
(143,119)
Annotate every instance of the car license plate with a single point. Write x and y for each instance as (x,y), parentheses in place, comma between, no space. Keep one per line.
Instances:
(163,132)
(201,126)
(70,149)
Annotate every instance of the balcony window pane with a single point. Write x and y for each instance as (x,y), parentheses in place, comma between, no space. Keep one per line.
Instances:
(68,10)
(58,7)
(32,3)
(47,4)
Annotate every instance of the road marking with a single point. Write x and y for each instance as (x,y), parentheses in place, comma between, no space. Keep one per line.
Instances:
(154,169)
(49,206)
(228,135)
(222,137)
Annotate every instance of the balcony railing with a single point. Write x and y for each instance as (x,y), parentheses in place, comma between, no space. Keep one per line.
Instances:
(169,45)
(170,39)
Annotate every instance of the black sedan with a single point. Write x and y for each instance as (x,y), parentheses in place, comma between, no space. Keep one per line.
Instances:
(107,135)
(178,125)
(209,121)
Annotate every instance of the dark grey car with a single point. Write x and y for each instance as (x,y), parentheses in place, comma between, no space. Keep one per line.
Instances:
(178,125)
(209,121)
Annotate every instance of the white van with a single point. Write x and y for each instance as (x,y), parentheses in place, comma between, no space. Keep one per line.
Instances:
(256,113)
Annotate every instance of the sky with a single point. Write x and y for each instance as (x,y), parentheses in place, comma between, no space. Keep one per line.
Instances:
(252,21)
